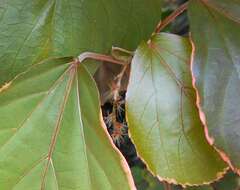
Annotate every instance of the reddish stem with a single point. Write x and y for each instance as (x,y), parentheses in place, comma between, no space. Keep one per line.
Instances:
(171,17)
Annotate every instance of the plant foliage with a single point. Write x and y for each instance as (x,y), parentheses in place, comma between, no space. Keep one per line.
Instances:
(182,99)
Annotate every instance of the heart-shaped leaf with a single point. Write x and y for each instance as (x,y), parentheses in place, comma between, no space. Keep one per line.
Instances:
(163,118)
(52,135)
(32,30)
(215,28)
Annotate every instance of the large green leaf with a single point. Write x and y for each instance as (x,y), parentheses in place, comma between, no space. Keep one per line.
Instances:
(162,116)
(215,28)
(31,30)
(52,135)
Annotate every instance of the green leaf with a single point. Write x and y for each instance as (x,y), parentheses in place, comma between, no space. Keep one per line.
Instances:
(52,135)
(32,30)
(144,180)
(163,119)
(230,181)
(215,28)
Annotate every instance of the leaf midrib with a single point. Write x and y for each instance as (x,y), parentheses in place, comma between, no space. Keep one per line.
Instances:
(72,70)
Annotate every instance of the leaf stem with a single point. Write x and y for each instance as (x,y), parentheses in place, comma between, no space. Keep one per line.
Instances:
(119,81)
(122,50)
(99,57)
(171,17)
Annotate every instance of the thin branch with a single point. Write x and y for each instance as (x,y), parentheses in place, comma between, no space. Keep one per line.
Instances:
(99,57)
(117,127)
(118,82)
(171,17)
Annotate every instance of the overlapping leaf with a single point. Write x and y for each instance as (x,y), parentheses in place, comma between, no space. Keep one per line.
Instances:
(31,30)
(162,116)
(229,182)
(215,28)
(52,135)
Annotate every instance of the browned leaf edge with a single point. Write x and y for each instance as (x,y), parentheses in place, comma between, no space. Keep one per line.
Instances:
(202,116)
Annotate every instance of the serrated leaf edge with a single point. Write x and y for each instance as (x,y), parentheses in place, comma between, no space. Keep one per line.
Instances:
(202,116)
(219,175)
(174,181)
(123,161)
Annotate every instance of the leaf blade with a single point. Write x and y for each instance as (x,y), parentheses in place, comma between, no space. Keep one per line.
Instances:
(58,140)
(162,116)
(215,69)
(31,31)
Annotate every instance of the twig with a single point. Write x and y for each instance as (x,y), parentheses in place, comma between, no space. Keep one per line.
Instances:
(116,89)
(171,17)
(99,57)
(118,128)
(118,82)
(118,131)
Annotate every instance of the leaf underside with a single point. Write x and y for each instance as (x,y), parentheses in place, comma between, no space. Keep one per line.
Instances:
(162,115)
(215,28)
(32,30)
(51,133)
